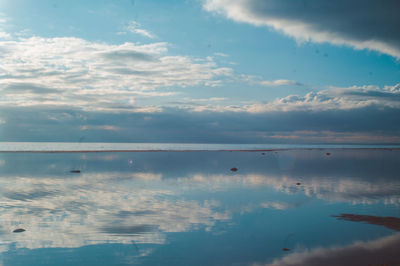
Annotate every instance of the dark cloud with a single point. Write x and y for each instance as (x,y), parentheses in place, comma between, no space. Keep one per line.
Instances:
(121,55)
(27,87)
(362,24)
(374,94)
(372,124)
(124,214)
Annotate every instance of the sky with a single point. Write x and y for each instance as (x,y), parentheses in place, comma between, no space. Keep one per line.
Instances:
(201,71)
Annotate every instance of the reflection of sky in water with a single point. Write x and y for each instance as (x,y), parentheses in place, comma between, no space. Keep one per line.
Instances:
(189,208)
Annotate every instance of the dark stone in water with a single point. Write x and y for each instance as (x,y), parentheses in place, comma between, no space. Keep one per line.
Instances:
(328,153)
(75,171)
(285,249)
(234,169)
(298,183)
(263,153)
(19,230)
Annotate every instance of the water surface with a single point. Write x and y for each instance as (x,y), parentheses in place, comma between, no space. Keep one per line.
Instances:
(281,207)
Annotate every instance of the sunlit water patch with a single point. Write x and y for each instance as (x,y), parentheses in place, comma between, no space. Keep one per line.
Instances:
(293,207)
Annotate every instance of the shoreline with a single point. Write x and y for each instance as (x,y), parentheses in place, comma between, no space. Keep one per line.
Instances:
(205,150)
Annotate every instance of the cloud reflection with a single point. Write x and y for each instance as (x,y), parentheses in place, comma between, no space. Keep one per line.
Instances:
(142,207)
(340,189)
(97,208)
(384,251)
(112,201)
(388,222)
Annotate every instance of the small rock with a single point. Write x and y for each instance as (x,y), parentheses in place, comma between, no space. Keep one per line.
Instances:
(19,230)
(75,171)
(298,183)
(328,153)
(263,153)
(234,169)
(285,249)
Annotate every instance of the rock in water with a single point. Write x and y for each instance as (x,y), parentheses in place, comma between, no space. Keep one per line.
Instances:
(234,169)
(19,230)
(75,171)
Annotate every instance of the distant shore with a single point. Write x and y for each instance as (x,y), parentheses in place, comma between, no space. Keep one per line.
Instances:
(174,150)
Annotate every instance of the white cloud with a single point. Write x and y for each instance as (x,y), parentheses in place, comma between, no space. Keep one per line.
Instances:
(221,54)
(3,21)
(335,99)
(362,25)
(350,98)
(4,35)
(73,72)
(279,82)
(135,27)
(101,127)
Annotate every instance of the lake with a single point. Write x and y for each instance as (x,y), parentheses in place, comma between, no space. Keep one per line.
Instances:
(295,206)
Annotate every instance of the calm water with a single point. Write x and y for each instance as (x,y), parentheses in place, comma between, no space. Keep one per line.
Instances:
(293,207)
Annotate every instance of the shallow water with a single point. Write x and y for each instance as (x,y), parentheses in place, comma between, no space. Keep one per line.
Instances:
(287,207)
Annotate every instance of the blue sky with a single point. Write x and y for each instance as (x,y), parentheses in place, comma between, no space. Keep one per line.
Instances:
(243,71)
